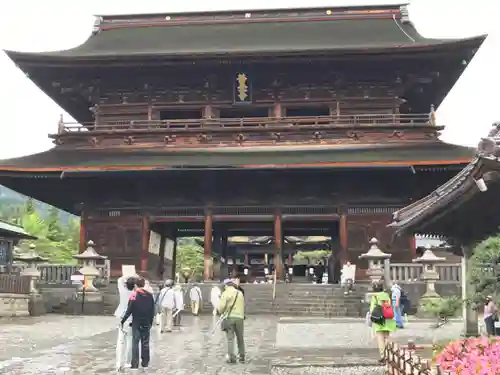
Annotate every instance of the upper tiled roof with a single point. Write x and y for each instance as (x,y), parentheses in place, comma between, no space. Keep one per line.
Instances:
(355,29)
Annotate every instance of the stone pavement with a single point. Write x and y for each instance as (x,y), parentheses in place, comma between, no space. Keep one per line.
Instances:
(71,345)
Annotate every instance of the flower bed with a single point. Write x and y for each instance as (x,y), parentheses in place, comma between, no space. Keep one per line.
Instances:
(474,356)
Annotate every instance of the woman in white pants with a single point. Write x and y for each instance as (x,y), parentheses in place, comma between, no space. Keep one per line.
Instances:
(126,287)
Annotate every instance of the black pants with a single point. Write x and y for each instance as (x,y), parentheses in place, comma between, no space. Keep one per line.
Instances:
(489,322)
(140,334)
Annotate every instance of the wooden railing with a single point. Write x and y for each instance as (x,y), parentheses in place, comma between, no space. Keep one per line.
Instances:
(405,361)
(232,124)
(60,274)
(411,272)
(14,284)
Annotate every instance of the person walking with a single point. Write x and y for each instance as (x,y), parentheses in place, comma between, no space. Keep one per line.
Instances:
(166,303)
(396,293)
(141,307)
(490,315)
(382,317)
(196,299)
(126,286)
(232,309)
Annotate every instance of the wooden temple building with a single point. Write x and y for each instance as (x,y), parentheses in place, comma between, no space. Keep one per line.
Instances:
(277,123)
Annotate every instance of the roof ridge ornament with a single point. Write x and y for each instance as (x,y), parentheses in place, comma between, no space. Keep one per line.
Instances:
(490,145)
(97,25)
(405,15)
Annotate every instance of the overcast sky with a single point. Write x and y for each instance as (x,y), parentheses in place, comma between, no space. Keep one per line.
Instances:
(28,115)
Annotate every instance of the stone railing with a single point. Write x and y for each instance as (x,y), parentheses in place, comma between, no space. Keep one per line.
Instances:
(60,274)
(410,272)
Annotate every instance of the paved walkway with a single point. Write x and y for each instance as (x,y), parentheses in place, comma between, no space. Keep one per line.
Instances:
(58,345)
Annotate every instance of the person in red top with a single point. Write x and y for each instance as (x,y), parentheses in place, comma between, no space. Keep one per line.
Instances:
(141,306)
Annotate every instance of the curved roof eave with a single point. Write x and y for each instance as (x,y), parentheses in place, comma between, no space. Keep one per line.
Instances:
(65,57)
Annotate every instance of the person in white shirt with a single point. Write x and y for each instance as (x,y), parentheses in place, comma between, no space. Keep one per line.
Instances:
(196,299)
(179,304)
(347,276)
(215,294)
(166,301)
(126,286)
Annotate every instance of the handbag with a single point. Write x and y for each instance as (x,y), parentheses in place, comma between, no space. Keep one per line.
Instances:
(224,324)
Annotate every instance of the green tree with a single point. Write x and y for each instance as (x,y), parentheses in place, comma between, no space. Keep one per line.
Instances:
(54,230)
(29,206)
(189,255)
(34,224)
(484,270)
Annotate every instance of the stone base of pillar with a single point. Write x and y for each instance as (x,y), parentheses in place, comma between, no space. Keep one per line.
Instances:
(88,303)
(36,305)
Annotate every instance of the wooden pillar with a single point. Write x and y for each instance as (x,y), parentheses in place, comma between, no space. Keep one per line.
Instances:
(207,255)
(208,112)
(413,246)
(150,111)
(161,261)
(290,259)
(223,250)
(144,245)
(247,261)
(343,237)
(174,254)
(82,233)
(278,253)
(278,110)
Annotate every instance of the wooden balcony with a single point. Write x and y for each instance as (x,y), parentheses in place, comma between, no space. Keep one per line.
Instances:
(192,132)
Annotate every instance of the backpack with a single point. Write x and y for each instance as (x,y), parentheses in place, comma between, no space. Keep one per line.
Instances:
(381,311)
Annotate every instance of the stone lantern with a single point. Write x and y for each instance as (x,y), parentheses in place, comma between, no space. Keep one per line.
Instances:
(378,263)
(429,275)
(89,260)
(88,299)
(32,259)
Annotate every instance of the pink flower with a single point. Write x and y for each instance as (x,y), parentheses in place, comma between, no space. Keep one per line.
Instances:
(474,356)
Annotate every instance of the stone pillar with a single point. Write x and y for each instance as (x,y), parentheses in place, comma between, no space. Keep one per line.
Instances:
(470,316)
(278,239)
(207,254)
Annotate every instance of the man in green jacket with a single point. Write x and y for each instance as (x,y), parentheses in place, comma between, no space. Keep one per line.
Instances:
(232,308)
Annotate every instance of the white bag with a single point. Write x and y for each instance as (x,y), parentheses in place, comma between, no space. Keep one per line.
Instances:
(368,319)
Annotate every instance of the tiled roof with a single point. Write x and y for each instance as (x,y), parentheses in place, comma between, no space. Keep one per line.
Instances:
(249,33)
(453,192)
(14,231)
